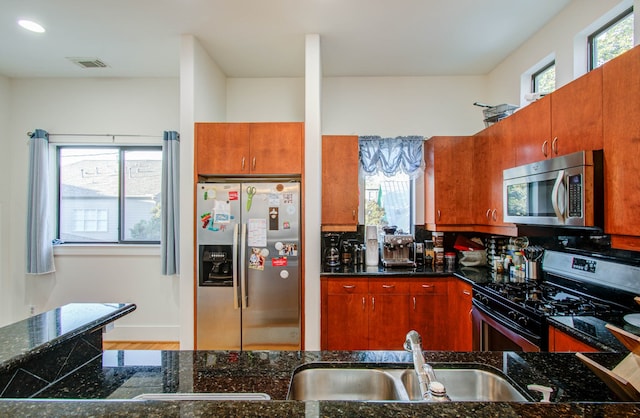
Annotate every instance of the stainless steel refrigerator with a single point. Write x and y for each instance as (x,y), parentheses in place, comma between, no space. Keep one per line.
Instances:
(248,271)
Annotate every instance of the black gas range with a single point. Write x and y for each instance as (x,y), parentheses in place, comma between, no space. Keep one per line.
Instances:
(512,315)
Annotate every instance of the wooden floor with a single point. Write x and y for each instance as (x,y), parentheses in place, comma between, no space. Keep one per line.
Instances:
(140,345)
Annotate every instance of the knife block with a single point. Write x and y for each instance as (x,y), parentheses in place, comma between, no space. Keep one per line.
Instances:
(624,379)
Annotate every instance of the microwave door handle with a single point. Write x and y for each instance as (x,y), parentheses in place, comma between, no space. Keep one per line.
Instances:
(235,266)
(555,198)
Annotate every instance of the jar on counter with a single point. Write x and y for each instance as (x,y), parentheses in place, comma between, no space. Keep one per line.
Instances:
(438,239)
(450,261)
(428,253)
(438,256)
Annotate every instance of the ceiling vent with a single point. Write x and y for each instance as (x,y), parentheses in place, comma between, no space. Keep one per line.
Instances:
(88,62)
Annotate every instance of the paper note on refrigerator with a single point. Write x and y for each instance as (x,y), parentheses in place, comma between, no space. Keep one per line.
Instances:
(257,233)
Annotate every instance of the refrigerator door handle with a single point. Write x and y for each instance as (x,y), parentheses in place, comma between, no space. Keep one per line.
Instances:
(235,266)
(243,263)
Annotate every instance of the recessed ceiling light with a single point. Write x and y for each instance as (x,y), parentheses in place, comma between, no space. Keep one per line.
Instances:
(31,25)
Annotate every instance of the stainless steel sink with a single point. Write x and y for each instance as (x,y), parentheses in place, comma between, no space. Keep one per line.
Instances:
(464,382)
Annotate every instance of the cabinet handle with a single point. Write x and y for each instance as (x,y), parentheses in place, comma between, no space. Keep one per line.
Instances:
(488,214)
(349,286)
(388,286)
(470,313)
(544,148)
(466,292)
(373,303)
(253,167)
(439,214)
(353,214)
(427,286)
(363,303)
(414,303)
(243,163)
(554,145)
(494,214)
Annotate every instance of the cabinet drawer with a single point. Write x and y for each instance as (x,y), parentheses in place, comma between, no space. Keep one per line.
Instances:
(346,286)
(388,286)
(430,287)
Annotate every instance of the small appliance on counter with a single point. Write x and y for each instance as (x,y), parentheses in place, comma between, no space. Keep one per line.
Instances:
(396,250)
(371,238)
(331,254)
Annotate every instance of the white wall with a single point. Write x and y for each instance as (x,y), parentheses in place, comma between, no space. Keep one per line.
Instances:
(107,274)
(265,99)
(6,296)
(402,105)
(562,38)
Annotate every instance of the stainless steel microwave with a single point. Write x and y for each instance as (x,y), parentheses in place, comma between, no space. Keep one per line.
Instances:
(565,191)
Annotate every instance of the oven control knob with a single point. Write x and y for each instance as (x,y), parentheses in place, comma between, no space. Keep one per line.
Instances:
(513,315)
(523,321)
(484,300)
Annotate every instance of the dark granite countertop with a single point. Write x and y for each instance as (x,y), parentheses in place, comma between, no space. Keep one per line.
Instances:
(107,388)
(39,333)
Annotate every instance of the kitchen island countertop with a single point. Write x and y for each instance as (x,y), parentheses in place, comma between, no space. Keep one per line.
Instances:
(107,387)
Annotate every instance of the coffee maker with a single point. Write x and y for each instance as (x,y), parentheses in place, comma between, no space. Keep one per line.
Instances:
(331,254)
(396,250)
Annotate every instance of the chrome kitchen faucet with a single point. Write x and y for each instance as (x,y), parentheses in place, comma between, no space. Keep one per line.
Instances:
(431,389)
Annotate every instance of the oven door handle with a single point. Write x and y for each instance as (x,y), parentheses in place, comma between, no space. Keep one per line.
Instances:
(510,325)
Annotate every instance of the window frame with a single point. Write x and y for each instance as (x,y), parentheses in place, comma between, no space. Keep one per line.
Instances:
(539,72)
(591,50)
(122,148)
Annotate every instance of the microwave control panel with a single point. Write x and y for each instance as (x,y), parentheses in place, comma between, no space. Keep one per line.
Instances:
(575,196)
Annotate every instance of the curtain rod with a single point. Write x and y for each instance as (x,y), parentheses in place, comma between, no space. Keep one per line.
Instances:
(105,135)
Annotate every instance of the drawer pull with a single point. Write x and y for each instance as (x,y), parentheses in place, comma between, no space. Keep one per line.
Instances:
(349,286)
(466,292)
(427,286)
(388,286)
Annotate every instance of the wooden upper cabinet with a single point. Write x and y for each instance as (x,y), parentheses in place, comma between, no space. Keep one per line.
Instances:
(277,148)
(576,115)
(447,180)
(621,122)
(221,148)
(563,122)
(340,192)
(249,148)
(492,152)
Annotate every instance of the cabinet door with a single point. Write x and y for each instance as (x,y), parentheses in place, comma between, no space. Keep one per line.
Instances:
(448,174)
(461,300)
(576,115)
(560,342)
(340,180)
(347,315)
(388,314)
(222,148)
(532,139)
(621,123)
(429,313)
(493,153)
(276,148)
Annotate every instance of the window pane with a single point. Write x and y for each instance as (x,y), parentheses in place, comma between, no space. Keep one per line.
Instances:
(88,190)
(545,80)
(612,41)
(142,180)
(388,201)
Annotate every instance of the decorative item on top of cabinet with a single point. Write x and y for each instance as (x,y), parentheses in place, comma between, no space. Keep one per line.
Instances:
(249,148)
(340,192)
(448,194)
(563,122)
(621,123)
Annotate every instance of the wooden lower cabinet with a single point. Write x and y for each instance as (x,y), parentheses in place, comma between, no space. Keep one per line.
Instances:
(429,304)
(560,341)
(460,294)
(376,313)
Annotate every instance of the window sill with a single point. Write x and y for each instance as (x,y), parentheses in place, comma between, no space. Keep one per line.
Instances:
(132,250)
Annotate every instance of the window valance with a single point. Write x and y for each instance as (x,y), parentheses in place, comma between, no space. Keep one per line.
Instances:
(392,155)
